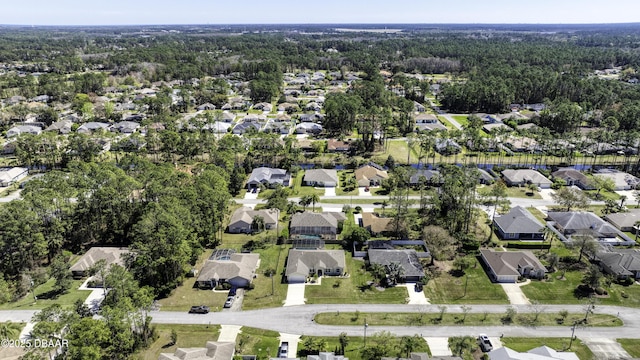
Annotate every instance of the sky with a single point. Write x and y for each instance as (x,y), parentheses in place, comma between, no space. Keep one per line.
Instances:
(143,12)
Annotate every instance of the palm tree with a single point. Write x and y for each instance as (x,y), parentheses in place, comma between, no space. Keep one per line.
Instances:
(409,343)
(9,329)
(305,201)
(395,272)
(344,341)
(314,198)
(623,198)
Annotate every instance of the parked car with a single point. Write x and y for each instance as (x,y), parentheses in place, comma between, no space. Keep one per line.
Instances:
(485,343)
(254,190)
(284,350)
(232,292)
(200,309)
(229,302)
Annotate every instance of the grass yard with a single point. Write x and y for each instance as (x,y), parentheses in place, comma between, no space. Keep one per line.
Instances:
(521,192)
(446,123)
(188,336)
(604,195)
(559,344)
(472,288)
(185,295)
(459,319)
(632,346)
(340,189)
(44,293)
(558,291)
(537,214)
(461,119)
(355,201)
(399,150)
(272,257)
(353,289)
(263,343)
(353,350)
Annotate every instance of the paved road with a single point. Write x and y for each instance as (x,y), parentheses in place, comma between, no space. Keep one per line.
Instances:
(298,320)
(453,121)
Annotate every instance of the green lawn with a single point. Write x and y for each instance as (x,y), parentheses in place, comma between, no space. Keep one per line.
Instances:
(353,289)
(632,346)
(188,336)
(446,123)
(559,344)
(263,343)
(555,291)
(515,192)
(604,195)
(399,150)
(272,257)
(472,288)
(461,119)
(537,214)
(355,344)
(45,298)
(186,295)
(459,319)
(340,189)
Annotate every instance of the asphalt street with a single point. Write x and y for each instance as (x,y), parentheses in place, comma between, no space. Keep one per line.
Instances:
(299,320)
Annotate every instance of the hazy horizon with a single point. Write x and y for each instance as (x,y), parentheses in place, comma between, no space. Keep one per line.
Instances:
(289,12)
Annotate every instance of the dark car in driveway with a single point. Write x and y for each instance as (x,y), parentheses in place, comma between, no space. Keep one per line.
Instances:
(200,309)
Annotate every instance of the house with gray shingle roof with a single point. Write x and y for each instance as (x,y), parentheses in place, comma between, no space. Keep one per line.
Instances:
(573,177)
(310,224)
(406,258)
(622,263)
(111,255)
(522,177)
(236,270)
(576,223)
(92,126)
(624,221)
(242,219)
(23,129)
(126,127)
(508,266)
(622,180)
(268,177)
(213,350)
(321,177)
(302,264)
(519,224)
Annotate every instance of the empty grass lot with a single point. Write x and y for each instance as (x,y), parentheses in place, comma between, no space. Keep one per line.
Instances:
(559,344)
(185,296)
(449,289)
(355,344)
(632,346)
(353,289)
(188,336)
(558,291)
(399,150)
(263,343)
(453,319)
(44,293)
(272,257)
(461,119)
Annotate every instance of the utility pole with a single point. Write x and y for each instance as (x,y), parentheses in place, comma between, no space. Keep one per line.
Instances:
(573,330)
(365,332)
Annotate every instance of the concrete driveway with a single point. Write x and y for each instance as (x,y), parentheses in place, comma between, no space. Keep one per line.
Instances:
(229,333)
(515,294)
(293,340)
(361,192)
(439,346)
(415,298)
(295,295)
(605,348)
(330,191)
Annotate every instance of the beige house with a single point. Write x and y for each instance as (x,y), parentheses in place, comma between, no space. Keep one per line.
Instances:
(111,255)
(238,271)
(370,176)
(317,225)
(304,263)
(213,350)
(242,219)
(508,266)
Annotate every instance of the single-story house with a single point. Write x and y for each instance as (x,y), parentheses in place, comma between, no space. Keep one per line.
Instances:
(111,255)
(334,145)
(539,353)
(245,126)
(125,127)
(621,263)
(326,356)
(304,263)
(206,106)
(323,225)
(88,128)
(369,175)
(268,177)
(418,107)
(522,177)
(430,177)
(237,270)
(242,219)
(62,126)
(308,128)
(573,177)
(227,116)
(218,127)
(574,223)
(406,258)
(376,225)
(12,175)
(624,221)
(447,147)
(23,129)
(622,180)
(321,177)
(426,119)
(508,266)
(488,128)
(213,350)
(485,178)
(519,224)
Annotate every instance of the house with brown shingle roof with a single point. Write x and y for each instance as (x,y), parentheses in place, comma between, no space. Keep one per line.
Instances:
(237,270)
(508,266)
(370,176)
(111,255)
(376,225)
